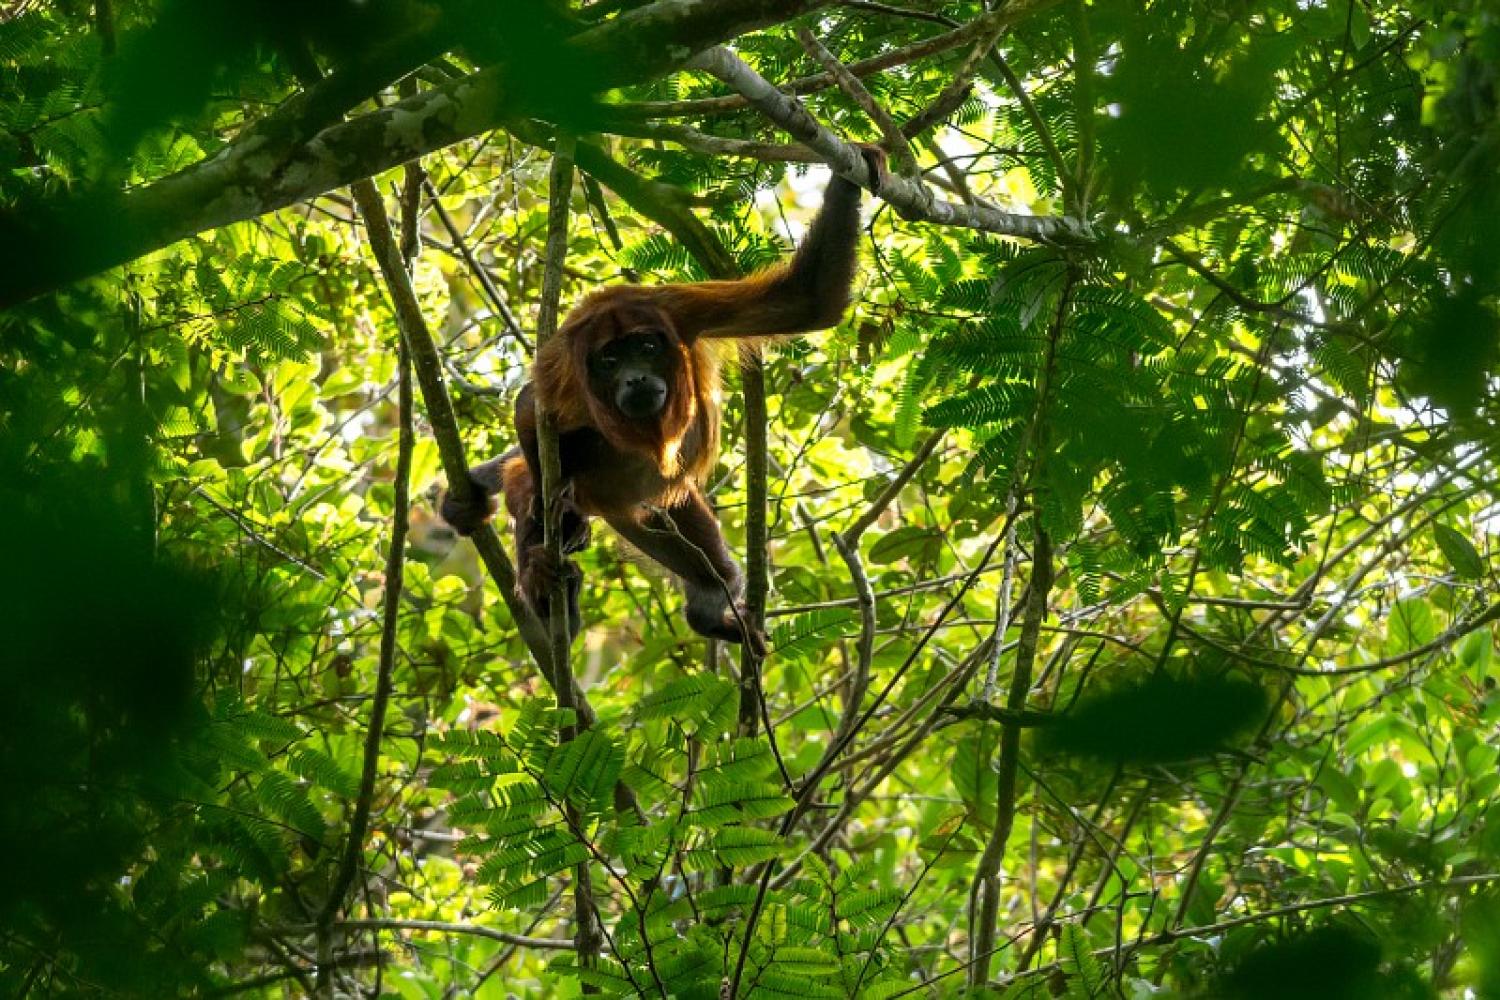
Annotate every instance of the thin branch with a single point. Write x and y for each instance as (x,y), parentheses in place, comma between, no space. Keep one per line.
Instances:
(769,152)
(713,145)
(1005,17)
(936,583)
(1452,634)
(560,183)
(809,788)
(757,543)
(1002,604)
(984,892)
(1038,123)
(658,201)
(960,84)
(847,543)
(902,158)
(587,933)
(395,565)
(890,757)
(1276,309)
(864,649)
(1216,929)
(984,896)
(893,489)
(893,11)
(594,195)
(255,536)
(480,272)
(439,927)
(1083,104)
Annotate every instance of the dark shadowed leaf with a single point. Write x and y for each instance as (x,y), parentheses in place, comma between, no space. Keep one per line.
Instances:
(1158,720)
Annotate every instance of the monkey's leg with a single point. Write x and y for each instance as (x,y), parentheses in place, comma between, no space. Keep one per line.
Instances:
(686,540)
(537,573)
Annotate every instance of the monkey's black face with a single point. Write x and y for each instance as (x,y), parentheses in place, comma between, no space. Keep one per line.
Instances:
(634,371)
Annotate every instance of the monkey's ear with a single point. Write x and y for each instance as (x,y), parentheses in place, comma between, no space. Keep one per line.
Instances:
(561,374)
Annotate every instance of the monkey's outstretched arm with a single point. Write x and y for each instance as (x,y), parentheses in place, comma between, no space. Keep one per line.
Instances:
(810,292)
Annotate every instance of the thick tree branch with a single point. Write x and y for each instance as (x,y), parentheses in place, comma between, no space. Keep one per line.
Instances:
(914,201)
(69,239)
(303,151)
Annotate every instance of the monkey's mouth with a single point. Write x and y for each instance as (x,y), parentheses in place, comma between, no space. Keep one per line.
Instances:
(642,400)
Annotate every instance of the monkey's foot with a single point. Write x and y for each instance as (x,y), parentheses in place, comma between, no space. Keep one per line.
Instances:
(468,516)
(576,532)
(540,575)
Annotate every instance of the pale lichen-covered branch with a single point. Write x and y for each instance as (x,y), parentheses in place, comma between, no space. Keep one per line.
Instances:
(912,200)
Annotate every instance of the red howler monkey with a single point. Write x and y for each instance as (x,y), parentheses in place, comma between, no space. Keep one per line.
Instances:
(632,379)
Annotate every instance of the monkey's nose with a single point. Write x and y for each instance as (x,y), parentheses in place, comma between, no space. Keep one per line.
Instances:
(643,396)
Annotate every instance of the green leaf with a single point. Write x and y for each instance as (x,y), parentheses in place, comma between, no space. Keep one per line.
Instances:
(973,772)
(585,769)
(1476,651)
(1411,624)
(718,804)
(1459,551)
(321,769)
(733,847)
(919,545)
(702,704)
(806,634)
(1077,960)
(286,799)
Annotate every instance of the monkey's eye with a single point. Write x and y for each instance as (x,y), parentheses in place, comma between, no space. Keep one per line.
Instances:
(649,343)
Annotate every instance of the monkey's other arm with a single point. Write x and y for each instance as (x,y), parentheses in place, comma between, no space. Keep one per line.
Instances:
(814,290)
(685,538)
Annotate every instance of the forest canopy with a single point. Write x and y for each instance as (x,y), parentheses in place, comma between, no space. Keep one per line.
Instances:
(1125,555)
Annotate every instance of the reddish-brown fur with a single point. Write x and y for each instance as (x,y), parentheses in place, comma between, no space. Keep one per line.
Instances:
(644,476)
(562,386)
